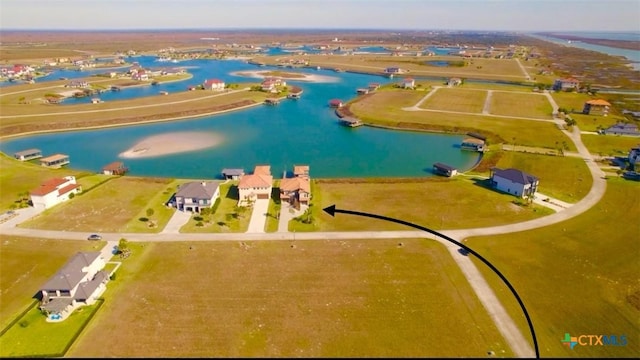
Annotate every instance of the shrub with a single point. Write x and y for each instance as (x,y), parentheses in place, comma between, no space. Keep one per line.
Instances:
(24,323)
(197,218)
(199,224)
(143,219)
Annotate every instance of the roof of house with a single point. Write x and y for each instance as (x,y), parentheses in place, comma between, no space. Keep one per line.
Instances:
(442,166)
(87,288)
(67,188)
(624,127)
(255,181)
(300,170)
(262,170)
(335,101)
(27,152)
(48,186)
(56,305)
(408,80)
(213,81)
(70,275)
(54,157)
(569,80)
(197,189)
(232,172)
(472,140)
(515,175)
(116,165)
(598,102)
(295,183)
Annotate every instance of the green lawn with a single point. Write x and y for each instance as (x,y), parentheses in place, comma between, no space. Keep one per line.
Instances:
(609,144)
(91,181)
(562,177)
(271,224)
(596,122)
(456,99)
(26,264)
(426,202)
(268,299)
(32,336)
(160,214)
(520,105)
(579,276)
(227,216)
(110,207)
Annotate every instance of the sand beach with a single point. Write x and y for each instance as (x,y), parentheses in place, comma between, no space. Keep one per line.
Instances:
(299,76)
(172,143)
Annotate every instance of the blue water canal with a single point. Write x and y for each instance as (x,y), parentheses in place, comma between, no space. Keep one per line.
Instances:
(302,131)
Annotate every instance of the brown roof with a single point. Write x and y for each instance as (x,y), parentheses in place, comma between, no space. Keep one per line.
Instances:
(255,181)
(300,170)
(67,188)
(54,157)
(262,170)
(116,165)
(296,183)
(48,186)
(472,140)
(598,102)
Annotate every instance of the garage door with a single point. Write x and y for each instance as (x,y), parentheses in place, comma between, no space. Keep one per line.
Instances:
(263,196)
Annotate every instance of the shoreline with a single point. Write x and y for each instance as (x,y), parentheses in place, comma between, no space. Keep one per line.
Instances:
(306,77)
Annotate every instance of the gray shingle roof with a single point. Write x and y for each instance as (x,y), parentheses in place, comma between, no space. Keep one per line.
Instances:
(88,287)
(196,189)
(232,172)
(515,175)
(70,275)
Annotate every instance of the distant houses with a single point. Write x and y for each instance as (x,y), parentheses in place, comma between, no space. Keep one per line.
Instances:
(255,186)
(444,170)
(514,182)
(596,107)
(55,161)
(54,191)
(115,168)
(408,83)
(567,84)
(196,195)
(394,70)
(622,129)
(29,154)
(214,85)
(454,82)
(335,103)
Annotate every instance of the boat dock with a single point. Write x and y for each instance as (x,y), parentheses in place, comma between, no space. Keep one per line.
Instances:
(272,101)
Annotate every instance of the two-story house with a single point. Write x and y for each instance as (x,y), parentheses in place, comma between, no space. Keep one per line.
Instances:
(195,195)
(54,191)
(513,181)
(255,186)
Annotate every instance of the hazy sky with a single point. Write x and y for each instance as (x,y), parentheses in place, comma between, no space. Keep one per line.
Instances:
(517,15)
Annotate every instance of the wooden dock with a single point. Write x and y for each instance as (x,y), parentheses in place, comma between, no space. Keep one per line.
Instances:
(272,101)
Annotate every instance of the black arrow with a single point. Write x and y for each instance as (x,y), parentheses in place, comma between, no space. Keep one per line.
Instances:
(331,210)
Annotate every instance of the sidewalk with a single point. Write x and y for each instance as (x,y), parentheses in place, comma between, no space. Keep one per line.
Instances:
(178,219)
(258,216)
(288,212)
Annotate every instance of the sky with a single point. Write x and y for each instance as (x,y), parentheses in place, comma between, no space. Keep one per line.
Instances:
(499,15)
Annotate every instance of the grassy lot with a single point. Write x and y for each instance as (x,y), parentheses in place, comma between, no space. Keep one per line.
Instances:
(473,205)
(228,217)
(521,105)
(160,214)
(565,178)
(19,177)
(595,122)
(572,101)
(271,225)
(384,109)
(609,144)
(32,336)
(456,99)
(91,181)
(268,299)
(579,276)
(26,264)
(525,88)
(109,208)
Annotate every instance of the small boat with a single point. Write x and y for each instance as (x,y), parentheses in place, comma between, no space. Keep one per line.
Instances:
(164,93)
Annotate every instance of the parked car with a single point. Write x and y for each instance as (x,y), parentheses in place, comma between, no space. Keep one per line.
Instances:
(94,237)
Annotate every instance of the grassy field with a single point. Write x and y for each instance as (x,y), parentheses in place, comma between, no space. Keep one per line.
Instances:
(160,215)
(443,204)
(109,208)
(565,178)
(609,144)
(268,299)
(228,217)
(26,264)
(34,337)
(384,109)
(579,276)
(19,177)
(520,104)
(595,122)
(456,99)
(90,181)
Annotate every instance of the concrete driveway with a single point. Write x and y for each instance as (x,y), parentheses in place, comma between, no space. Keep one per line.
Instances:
(178,219)
(288,212)
(258,216)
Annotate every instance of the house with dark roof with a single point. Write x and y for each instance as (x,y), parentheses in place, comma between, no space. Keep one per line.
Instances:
(623,129)
(444,169)
(196,195)
(634,157)
(255,186)
(472,143)
(514,182)
(232,174)
(79,282)
(54,191)
(29,154)
(568,84)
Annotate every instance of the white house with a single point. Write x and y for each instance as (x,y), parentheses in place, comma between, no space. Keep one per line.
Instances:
(255,186)
(80,281)
(514,182)
(214,84)
(195,195)
(408,83)
(54,191)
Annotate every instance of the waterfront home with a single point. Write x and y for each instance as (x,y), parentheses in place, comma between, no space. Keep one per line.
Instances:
(374,86)
(301,171)
(596,107)
(29,154)
(232,174)
(568,84)
(115,168)
(454,82)
(81,281)
(214,84)
(55,161)
(393,70)
(622,129)
(408,83)
(268,86)
(473,144)
(195,195)
(140,75)
(295,191)
(255,186)
(634,157)
(444,169)
(335,103)
(54,191)
(77,84)
(514,182)
(362,91)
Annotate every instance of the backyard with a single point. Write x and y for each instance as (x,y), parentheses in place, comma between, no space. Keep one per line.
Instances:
(456,99)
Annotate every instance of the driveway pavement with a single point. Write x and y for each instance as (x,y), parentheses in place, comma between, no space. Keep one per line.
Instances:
(11,220)
(178,219)
(258,216)
(288,212)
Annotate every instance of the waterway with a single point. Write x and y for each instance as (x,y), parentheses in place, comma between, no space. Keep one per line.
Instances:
(302,131)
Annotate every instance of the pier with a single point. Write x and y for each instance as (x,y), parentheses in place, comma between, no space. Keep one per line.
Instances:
(272,101)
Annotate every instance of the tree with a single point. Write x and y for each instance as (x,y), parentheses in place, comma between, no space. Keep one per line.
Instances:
(123,245)
(150,212)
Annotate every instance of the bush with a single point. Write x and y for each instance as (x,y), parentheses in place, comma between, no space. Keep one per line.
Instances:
(197,218)
(199,224)
(24,323)
(143,219)
(112,277)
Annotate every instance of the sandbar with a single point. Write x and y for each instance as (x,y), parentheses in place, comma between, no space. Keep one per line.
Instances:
(172,143)
(304,76)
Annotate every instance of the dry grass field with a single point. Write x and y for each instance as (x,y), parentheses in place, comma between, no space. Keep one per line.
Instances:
(612,145)
(456,99)
(108,208)
(26,264)
(579,276)
(269,299)
(520,105)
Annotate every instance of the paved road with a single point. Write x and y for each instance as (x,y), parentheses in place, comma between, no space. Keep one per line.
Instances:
(524,71)
(487,103)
